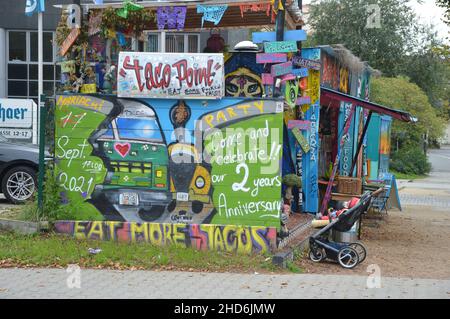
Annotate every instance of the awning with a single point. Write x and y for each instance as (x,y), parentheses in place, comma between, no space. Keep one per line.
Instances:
(329,97)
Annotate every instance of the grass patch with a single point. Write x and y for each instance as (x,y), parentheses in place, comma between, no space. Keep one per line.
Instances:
(399,175)
(292,267)
(51,250)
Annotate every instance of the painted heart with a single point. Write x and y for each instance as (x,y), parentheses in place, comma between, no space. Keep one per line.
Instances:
(122,149)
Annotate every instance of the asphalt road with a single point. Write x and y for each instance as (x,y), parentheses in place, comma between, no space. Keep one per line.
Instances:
(440,159)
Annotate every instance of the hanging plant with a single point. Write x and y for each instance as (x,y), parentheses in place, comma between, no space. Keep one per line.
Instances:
(135,23)
(76,53)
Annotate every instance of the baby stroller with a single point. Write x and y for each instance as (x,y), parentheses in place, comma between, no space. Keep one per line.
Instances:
(347,254)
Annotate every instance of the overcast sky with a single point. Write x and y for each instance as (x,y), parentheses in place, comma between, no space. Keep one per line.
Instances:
(429,13)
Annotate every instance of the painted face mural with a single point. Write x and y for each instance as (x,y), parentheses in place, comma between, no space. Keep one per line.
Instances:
(243,83)
(170,161)
(243,75)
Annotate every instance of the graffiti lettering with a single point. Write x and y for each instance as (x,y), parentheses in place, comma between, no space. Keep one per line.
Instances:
(70,154)
(241,239)
(201,76)
(189,76)
(235,112)
(79,100)
(75,184)
(248,208)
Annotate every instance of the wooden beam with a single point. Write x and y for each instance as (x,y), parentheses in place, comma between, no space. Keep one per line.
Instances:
(360,143)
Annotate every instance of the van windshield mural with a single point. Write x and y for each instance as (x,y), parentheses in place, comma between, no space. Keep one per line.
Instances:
(139,129)
(171,161)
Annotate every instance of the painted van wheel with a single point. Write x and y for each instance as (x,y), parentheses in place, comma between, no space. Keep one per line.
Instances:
(152,214)
(171,207)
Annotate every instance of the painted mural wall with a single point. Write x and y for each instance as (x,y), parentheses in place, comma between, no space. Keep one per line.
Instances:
(170,161)
(243,75)
(230,238)
(310,160)
(385,143)
(373,147)
(355,83)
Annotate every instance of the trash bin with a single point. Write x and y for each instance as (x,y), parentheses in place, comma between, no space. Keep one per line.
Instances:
(350,236)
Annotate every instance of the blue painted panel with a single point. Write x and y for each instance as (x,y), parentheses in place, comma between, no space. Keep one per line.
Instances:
(292,35)
(358,114)
(373,145)
(310,160)
(345,161)
(302,73)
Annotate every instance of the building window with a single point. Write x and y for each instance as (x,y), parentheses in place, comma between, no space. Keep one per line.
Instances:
(172,42)
(23,64)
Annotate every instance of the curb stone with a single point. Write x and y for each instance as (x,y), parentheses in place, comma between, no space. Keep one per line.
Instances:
(22,227)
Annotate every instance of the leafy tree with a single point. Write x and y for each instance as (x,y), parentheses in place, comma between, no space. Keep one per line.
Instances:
(446,5)
(429,68)
(400,93)
(346,22)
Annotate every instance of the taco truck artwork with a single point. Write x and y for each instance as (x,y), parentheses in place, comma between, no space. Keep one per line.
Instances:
(135,161)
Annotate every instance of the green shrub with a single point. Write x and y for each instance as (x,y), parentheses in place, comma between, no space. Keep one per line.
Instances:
(410,160)
(53,208)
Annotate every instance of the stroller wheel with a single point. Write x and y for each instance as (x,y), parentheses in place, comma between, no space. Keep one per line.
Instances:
(317,255)
(348,257)
(361,250)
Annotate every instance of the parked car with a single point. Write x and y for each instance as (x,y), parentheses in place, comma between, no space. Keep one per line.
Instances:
(19,165)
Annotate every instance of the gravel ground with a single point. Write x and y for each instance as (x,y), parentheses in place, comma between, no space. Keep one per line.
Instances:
(412,244)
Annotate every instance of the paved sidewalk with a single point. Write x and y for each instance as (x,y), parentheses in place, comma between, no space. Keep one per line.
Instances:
(425,200)
(52,284)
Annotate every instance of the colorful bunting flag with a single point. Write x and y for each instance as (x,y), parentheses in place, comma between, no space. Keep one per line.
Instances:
(128,6)
(212,13)
(174,17)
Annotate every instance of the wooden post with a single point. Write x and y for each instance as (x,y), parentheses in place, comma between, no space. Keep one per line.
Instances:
(280,22)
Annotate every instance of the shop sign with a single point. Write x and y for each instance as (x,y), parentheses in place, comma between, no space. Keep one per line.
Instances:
(263,58)
(306,63)
(18,119)
(302,125)
(301,139)
(291,35)
(301,73)
(171,75)
(281,69)
(280,47)
(287,77)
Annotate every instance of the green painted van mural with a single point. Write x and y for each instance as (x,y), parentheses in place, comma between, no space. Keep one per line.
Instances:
(170,161)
